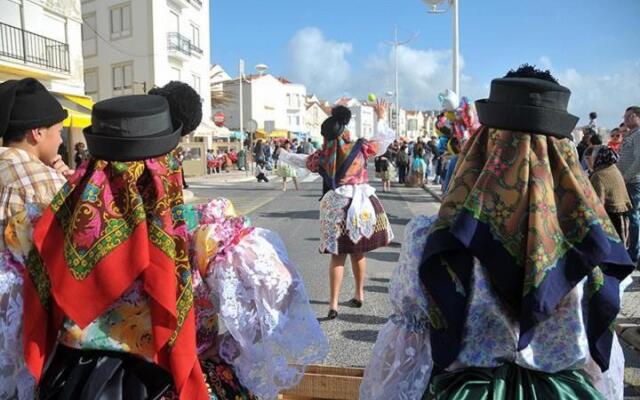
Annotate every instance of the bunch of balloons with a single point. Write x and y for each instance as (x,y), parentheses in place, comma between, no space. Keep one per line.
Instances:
(458,117)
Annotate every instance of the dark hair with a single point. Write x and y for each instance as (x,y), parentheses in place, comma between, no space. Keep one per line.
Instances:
(530,71)
(634,110)
(595,140)
(13,136)
(593,115)
(18,135)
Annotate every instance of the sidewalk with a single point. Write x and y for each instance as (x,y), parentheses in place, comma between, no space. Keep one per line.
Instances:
(628,322)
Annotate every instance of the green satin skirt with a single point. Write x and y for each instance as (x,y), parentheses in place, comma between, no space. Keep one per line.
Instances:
(510,382)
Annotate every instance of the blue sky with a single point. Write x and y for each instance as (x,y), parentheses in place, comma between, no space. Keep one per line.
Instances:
(337,47)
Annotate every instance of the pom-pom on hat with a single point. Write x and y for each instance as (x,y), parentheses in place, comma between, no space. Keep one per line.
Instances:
(333,126)
(184,102)
(27,104)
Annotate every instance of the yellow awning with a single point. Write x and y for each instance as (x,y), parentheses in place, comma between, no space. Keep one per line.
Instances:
(279,134)
(261,134)
(79,109)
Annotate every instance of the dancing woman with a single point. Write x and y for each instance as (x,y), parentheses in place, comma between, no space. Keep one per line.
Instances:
(352,219)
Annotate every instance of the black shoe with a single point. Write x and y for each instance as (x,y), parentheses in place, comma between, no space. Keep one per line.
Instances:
(355,303)
(333,314)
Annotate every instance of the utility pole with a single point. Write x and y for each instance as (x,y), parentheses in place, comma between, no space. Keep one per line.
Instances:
(395,43)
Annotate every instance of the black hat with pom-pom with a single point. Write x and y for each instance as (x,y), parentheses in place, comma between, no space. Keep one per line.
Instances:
(137,127)
(333,126)
(528,100)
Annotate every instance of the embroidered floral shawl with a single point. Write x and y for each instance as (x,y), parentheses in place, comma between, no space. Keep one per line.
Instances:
(521,204)
(113,223)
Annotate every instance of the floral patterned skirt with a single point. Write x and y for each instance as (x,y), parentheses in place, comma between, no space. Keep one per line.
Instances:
(334,238)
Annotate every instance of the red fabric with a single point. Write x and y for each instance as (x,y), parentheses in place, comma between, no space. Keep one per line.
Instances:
(84,300)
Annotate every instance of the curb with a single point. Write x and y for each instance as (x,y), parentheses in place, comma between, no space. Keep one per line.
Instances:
(432,193)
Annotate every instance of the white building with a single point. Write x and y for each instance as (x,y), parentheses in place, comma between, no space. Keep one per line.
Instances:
(53,51)
(131,46)
(41,39)
(362,117)
(275,104)
(314,117)
(415,124)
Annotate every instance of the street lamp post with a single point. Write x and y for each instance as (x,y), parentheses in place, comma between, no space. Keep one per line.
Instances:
(395,43)
(453,5)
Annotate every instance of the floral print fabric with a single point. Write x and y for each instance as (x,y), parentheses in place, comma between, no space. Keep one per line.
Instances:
(402,363)
(521,204)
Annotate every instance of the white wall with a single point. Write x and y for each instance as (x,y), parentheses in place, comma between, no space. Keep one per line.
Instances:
(55,20)
(146,47)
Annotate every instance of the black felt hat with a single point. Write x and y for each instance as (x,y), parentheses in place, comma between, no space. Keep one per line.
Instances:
(333,126)
(27,104)
(130,128)
(529,105)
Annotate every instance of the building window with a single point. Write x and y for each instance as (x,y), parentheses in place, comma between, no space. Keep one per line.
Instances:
(122,78)
(196,82)
(91,85)
(297,120)
(289,99)
(195,35)
(121,21)
(89,37)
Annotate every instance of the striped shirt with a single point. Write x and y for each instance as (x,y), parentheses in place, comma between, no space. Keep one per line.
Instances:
(24,179)
(629,162)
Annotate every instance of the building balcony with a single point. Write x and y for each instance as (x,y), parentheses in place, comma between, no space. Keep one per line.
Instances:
(196,3)
(31,49)
(181,48)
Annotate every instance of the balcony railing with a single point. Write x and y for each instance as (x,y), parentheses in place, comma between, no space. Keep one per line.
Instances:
(177,42)
(197,3)
(31,48)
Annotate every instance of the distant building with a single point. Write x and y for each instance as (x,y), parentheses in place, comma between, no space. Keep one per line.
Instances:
(132,46)
(314,117)
(362,122)
(277,105)
(415,124)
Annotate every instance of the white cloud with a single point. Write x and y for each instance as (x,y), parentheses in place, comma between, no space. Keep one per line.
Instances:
(319,63)
(609,94)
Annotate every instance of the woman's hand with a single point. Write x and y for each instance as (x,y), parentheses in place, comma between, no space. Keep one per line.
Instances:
(61,167)
(380,108)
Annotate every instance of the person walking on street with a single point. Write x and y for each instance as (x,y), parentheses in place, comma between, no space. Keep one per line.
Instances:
(261,172)
(402,163)
(287,171)
(629,165)
(352,219)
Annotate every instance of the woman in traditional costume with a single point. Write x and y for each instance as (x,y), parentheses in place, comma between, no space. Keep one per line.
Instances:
(127,283)
(352,220)
(511,291)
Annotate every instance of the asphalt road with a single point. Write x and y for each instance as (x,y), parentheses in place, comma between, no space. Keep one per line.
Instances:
(294,215)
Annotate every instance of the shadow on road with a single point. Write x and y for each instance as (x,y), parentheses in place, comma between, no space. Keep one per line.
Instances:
(395,220)
(361,335)
(387,256)
(362,319)
(307,214)
(381,280)
(376,289)
(312,239)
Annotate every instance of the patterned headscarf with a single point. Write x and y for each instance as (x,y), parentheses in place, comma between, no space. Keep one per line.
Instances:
(604,156)
(113,223)
(522,206)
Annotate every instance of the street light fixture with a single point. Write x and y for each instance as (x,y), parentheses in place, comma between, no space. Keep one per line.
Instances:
(453,5)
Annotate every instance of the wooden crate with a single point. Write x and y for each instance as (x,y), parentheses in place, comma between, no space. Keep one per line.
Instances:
(327,383)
